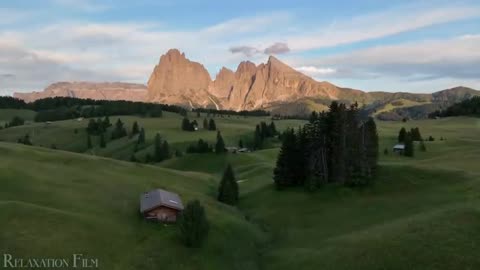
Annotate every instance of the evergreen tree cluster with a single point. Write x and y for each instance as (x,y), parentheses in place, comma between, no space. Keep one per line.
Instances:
(262,132)
(119,130)
(334,147)
(209,124)
(200,147)
(220,144)
(99,126)
(414,134)
(161,149)
(62,108)
(25,140)
(467,107)
(16,121)
(188,125)
(7,102)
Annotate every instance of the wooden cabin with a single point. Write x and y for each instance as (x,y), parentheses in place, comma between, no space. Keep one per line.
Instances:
(160,205)
(399,148)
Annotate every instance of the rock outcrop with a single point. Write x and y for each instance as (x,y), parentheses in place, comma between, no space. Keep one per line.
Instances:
(177,80)
(85,90)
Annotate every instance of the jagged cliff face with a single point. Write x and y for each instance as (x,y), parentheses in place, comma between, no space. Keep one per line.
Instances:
(85,90)
(177,80)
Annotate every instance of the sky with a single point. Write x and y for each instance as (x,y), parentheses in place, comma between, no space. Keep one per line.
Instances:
(372,45)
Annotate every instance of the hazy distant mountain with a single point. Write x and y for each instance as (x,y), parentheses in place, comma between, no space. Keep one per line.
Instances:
(108,91)
(271,86)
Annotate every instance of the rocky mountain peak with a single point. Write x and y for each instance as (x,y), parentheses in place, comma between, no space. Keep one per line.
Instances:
(246,67)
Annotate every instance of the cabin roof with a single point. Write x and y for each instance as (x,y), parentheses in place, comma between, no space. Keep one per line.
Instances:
(399,146)
(159,197)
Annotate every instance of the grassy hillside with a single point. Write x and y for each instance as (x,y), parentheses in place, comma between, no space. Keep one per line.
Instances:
(55,203)
(421,213)
(7,114)
(71,135)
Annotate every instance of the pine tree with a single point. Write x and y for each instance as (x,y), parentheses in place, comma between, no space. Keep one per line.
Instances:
(284,172)
(220,145)
(409,149)
(371,147)
(193,224)
(166,151)
(240,143)
(186,124)
(212,125)
(106,122)
(205,124)
(89,142)
(272,129)
(338,147)
(257,138)
(103,142)
(313,117)
(141,136)
(135,128)
(158,149)
(401,135)
(228,189)
(119,130)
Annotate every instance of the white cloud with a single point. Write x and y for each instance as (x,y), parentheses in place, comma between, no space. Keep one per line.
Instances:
(380,25)
(316,71)
(422,60)
(129,51)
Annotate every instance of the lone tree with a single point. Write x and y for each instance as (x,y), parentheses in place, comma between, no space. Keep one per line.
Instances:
(212,125)
(205,123)
(220,145)
(141,136)
(409,150)
(228,189)
(135,128)
(193,224)
(401,135)
(103,142)
(89,142)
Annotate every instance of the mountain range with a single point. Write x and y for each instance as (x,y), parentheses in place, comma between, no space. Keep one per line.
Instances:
(272,86)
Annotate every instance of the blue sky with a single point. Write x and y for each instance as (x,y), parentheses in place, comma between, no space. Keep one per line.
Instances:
(372,45)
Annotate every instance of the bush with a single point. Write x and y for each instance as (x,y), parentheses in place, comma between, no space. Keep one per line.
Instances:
(193,224)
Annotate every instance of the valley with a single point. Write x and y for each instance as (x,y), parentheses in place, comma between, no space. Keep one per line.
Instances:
(55,202)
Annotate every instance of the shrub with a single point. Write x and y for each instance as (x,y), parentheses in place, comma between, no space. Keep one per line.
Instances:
(193,224)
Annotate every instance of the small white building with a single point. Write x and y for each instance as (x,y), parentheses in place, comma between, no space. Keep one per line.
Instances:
(399,148)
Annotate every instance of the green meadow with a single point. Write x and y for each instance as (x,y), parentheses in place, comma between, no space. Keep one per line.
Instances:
(421,212)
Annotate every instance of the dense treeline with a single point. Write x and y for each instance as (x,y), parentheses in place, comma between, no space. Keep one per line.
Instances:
(12,103)
(200,147)
(262,132)
(334,147)
(15,122)
(466,107)
(62,108)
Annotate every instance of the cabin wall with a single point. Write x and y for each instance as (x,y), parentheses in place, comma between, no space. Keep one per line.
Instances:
(163,214)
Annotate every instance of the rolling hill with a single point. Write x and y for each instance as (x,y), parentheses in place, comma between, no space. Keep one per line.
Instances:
(421,213)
